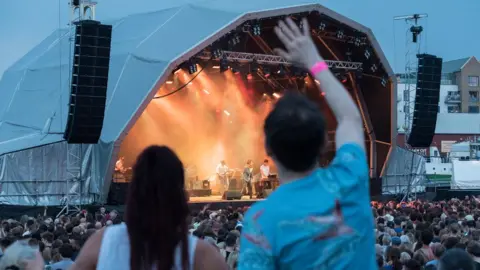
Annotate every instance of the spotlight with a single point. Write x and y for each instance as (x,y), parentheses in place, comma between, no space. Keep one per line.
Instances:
(256,29)
(253,67)
(416,31)
(281,71)
(357,41)
(176,71)
(169,82)
(322,26)
(343,79)
(384,82)
(223,64)
(266,72)
(192,67)
(373,68)
(276,95)
(235,70)
(216,53)
(206,91)
(367,54)
(226,112)
(340,34)
(300,25)
(249,76)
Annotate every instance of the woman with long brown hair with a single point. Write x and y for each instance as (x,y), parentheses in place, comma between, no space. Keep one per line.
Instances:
(155,234)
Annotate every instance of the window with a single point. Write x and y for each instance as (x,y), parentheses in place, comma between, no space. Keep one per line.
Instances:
(473,109)
(454,109)
(473,96)
(473,81)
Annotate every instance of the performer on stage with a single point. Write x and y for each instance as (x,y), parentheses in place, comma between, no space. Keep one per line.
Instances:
(222,170)
(264,173)
(247,178)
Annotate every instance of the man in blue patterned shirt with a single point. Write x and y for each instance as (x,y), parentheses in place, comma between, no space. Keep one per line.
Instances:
(318,218)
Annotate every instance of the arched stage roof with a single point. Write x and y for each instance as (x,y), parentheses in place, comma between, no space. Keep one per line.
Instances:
(34,92)
(36,162)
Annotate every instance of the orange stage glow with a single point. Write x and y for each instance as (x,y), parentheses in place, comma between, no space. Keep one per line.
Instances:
(204,127)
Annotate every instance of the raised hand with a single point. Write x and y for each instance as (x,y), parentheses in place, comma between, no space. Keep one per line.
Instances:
(301,49)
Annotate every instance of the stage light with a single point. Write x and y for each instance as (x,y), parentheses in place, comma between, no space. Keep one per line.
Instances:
(340,34)
(216,67)
(206,92)
(322,26)
(249,76)
(317,82)
(367,54)
(253,67)
(226,112)
(192,67)
(169,82)
(359,73)
(223,64)
(323,94)
(256,29)
(276,95)
(266,72)
(373,68)
(176,71)
(190,83)
(343,79)
(235,70)
(216,53)
(357,42)
(384,82)
(281,71)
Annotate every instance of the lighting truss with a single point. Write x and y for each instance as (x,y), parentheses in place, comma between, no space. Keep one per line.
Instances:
(356,40)
(266,59)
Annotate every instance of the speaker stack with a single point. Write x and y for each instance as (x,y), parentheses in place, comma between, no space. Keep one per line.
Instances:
(426,101)
(89,82)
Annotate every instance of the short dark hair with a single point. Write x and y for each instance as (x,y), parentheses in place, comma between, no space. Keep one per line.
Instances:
(66,250)
(426,236)
(295,132)
(456,259)
(231,240)
(48,236)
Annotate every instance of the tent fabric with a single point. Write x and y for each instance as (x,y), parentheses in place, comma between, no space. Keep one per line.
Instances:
(34,92)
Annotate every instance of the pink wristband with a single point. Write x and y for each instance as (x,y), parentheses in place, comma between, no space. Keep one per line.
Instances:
(318,67)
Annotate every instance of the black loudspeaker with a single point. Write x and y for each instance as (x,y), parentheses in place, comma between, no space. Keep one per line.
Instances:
(88,92)
(232,195)
(426,101)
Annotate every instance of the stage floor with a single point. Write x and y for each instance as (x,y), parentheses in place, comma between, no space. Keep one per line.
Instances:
(218,198)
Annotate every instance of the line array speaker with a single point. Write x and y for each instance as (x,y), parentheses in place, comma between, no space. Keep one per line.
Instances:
(426,101)
(88,92)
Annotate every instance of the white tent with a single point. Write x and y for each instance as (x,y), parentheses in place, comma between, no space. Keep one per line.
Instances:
(35,162)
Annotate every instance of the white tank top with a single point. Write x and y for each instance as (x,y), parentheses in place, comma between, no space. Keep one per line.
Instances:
(115,250)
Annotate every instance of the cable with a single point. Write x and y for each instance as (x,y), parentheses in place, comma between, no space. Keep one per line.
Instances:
(181,87)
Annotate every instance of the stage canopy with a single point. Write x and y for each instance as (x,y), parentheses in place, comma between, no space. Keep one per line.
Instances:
(35,161)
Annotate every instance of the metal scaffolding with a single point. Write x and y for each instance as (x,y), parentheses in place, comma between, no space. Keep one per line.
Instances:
(267,59)
(73,197)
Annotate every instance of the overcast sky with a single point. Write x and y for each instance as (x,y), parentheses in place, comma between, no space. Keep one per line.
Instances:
(452,29)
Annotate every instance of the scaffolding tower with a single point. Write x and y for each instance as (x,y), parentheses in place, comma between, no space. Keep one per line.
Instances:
(413,46)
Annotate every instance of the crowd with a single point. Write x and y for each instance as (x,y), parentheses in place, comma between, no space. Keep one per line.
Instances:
(410,236)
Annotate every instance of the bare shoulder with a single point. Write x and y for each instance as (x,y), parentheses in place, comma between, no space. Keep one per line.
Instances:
(88,257)
(208,257)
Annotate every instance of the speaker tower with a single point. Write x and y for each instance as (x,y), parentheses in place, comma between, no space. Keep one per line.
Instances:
(89,82)
(427,96)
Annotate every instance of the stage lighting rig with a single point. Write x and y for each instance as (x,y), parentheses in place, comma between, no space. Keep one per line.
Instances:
(266,71)
(253,67)
(357,41)
(367,54)
(384,82)
(281,70)
(340,34)
(216,53)
(359,73)
(322,26)
(256,29)
(374,68)
(223,64)
(192,67)
(416,31)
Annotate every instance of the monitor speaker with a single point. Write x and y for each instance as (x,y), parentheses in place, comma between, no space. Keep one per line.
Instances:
(232,195)
(88,92)
(426,101)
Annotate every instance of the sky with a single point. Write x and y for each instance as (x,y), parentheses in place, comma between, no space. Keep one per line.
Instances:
(451,30)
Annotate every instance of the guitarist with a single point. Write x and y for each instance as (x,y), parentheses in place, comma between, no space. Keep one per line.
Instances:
(247,178)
